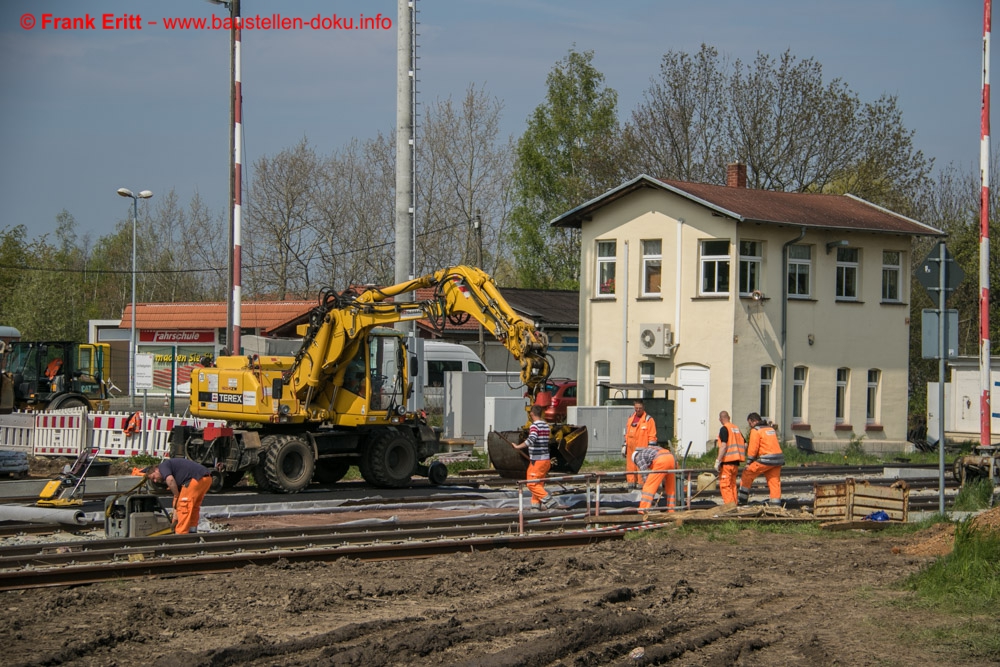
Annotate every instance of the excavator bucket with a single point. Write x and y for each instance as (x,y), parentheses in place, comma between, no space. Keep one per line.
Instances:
(568,449)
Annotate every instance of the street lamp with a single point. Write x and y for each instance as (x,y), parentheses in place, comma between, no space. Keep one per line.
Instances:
(145,194)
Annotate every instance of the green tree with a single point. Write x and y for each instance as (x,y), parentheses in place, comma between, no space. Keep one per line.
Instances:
(565,157)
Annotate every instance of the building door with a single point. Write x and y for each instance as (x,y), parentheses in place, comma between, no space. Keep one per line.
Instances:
(692,423)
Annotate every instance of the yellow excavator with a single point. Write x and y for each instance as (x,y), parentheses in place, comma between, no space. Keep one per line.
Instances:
(341,400)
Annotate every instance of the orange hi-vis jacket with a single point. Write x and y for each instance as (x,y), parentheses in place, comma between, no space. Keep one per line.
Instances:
(764,446)
(736,448)
(640,432)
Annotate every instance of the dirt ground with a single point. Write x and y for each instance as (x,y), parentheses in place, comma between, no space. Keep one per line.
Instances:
(681,597)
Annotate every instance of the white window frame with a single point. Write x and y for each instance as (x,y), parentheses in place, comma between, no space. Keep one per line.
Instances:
(848,280)
(799,376)
(606,265)
(872,396)
(716,266)
(647,373)
(750,267)
(888,271)
(652,257)
(840,400)
(766,389)
(798,267)
(602,373)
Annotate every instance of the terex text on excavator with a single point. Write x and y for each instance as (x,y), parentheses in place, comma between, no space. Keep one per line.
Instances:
(341,400)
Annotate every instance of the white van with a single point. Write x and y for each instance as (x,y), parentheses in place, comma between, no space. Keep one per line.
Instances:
(440,357)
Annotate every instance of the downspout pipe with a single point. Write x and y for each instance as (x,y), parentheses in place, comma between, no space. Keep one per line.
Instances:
(785,420)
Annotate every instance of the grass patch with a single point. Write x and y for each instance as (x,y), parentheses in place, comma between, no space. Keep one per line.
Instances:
(975,494)
(965,583)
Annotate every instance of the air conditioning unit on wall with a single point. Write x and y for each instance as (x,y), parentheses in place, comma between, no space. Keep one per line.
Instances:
(655,340)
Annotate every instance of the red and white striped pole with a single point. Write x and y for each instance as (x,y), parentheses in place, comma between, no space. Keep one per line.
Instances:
(985,382)
(237,183)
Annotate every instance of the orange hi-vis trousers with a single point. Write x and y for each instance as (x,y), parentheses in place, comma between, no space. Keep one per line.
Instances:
(188,504)
(771,473)
(657,477)
(728,481)
(538,470)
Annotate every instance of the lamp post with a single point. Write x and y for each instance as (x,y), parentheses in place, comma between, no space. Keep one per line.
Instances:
(145,194)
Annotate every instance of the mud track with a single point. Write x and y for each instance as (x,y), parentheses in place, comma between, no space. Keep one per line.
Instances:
(682,599)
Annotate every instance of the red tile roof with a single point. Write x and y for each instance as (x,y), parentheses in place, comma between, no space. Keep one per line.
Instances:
(844,212)
(263,315)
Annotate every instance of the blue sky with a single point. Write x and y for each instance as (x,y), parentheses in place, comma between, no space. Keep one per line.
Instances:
(87,112)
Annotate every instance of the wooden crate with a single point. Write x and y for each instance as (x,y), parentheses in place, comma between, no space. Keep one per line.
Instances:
(852,501)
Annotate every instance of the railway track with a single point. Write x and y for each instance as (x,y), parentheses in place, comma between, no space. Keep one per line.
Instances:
(88,561)
(81,562)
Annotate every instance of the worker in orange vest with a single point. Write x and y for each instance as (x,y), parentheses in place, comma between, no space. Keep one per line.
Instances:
(732,451)
(764,458)
(640,431)
(658,460)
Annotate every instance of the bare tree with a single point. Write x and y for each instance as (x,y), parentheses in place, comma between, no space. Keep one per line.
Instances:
(795,132)
(678,130)
(355,224)
(280,222)
(464,181)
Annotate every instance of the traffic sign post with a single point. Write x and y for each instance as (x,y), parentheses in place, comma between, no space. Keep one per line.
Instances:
(940,275)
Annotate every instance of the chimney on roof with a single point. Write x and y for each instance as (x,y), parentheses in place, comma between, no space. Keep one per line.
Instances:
(736,175)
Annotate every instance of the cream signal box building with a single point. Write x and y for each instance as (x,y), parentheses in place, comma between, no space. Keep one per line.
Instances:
(792,305)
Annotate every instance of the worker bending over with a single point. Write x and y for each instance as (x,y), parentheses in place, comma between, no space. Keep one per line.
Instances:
(189,482)
(732,451)
(640,431)
(537,444)
(764,457)
(659,461)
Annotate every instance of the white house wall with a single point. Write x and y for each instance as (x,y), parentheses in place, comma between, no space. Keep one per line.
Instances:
(735,336)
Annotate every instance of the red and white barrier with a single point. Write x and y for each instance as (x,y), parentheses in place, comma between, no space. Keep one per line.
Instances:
(63,433)
(17,432)
(107,433)
(59,434)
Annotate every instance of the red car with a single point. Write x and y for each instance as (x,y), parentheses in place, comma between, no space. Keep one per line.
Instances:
(563,395)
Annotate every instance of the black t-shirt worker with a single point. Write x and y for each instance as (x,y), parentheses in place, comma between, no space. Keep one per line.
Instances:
(189,482)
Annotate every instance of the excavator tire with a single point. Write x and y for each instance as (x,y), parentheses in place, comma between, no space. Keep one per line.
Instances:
(289,464)
(260,469)
(389,460)
(331,471)
(64,402)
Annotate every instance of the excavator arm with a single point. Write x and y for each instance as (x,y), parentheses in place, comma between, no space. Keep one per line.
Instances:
(337,327)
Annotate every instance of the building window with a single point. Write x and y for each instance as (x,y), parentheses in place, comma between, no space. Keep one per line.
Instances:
(606,258)
(892,269)
(799,394)
(603,373)
(799,264)
(652,264)
(715,268)
(847,273)
(871,412)
(647,373)
(751,253)
(766,381)
(840,410)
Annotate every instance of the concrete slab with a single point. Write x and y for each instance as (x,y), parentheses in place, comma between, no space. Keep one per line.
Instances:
(902,472)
